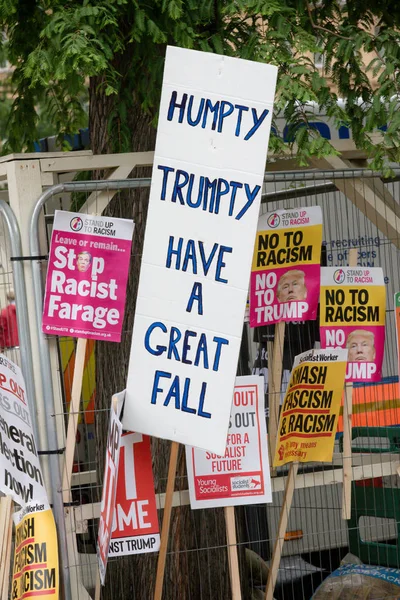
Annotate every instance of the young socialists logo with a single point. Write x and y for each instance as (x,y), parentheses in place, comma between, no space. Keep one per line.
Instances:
(339,276)
(273,220)
(76,224)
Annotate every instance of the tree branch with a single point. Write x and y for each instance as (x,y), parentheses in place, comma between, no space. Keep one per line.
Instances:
(315,26)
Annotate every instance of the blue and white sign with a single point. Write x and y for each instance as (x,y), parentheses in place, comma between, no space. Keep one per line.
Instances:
(212,140)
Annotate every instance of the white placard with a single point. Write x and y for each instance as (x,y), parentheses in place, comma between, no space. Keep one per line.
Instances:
(212,140)
(241,474)
(109,484)
(20,472)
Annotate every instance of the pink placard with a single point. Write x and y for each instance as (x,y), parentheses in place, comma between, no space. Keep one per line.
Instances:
(365,345)
(87,276)
(291,294)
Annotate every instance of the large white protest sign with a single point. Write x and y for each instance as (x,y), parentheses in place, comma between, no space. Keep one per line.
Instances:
(212,139)
(20,472)
(241,474)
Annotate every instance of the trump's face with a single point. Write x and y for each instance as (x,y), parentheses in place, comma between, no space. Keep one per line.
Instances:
(291,287)
(361,348)
(83,262)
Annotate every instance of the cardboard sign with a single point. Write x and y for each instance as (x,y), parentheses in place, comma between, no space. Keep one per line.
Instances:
(20,471)
(135,528)
(35,567)
(109,485)
(212,139)
(241,474)
(353,307)
(309,415)
(285,276)
(87,276)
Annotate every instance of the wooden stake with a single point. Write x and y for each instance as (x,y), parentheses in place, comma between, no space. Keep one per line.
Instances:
(6,584)
(280,536)
(6,505)
(73,417)
(169,493)
(347,433)
(232,552)
(347,430)
(98,586)
(274,384)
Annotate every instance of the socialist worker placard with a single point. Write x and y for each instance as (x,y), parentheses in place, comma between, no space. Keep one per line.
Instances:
(310,410)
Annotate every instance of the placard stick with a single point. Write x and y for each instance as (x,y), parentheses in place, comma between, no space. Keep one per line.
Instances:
(232,552)
(169,493)
(6,522)
(7,557)
(98,586)
(275,379)
(73,416)
(280,536)
(347,430)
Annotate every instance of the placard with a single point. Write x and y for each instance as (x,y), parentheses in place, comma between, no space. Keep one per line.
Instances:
(285,275)
(310,410)
(20,471)
(109,485)
(87,276)
(212,139)
(353,307)
(397,321)
(135,528)
(35,567)
(241,474)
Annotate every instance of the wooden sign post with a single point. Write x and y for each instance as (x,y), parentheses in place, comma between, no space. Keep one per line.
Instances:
(232,552)
(73,416)
(275,383)
(6,505)
(169,494)
(347,430)
(280,536)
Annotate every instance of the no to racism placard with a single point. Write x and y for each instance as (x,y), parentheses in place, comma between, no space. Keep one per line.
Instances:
(241,474)
(87,276)
(109,484)
(352,316)
(212,139)
(20,472)
(310,410)
(35,566)
(135,527)
(285,276)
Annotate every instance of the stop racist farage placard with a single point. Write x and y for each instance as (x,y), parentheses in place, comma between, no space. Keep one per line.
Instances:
(241,474)
(87,276)
(285,275)
(213,130)
(310,410)
(352,316)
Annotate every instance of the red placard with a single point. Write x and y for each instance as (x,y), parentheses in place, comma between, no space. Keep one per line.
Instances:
(135,527)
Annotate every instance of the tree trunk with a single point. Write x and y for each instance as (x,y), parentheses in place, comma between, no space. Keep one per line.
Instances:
(196,567)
